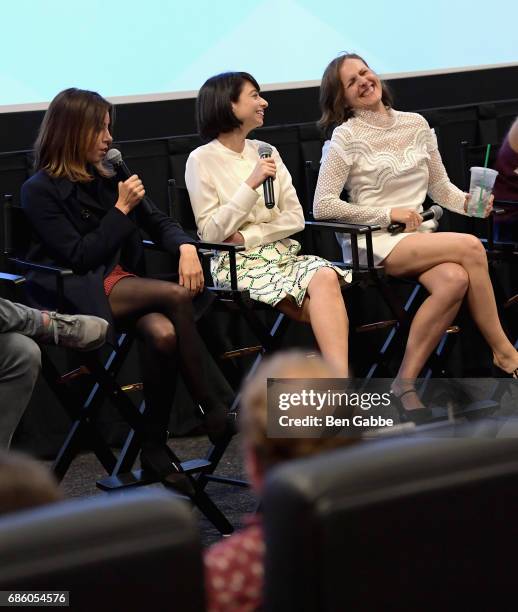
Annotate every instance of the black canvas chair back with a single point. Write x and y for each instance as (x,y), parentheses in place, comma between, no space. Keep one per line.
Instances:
(149,159)
(15,168)
(133,552)
(179,149)
(180,208)
(402,524)
(17,234)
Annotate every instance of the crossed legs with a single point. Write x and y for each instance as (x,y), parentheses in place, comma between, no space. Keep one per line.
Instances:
(161,314)
(450,266)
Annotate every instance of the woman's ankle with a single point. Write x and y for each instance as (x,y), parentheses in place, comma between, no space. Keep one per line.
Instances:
(404,389)
(506,361)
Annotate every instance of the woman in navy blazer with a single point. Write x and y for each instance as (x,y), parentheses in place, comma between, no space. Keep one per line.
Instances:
(86,220)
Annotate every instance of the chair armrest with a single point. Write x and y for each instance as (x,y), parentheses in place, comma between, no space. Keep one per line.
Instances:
(221,246)
(59,273)
(230,248)
(353,230)
(346,228)
(152,246)
(11,279)
(200,244)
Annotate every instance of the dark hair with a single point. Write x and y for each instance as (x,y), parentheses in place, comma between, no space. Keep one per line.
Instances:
(214,113)
(333,106)
(69,128)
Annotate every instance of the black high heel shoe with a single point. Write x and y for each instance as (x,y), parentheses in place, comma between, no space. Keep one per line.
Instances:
(220,425)
(164,465)
(417,415)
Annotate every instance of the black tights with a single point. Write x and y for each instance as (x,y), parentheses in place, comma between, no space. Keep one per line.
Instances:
(161,314)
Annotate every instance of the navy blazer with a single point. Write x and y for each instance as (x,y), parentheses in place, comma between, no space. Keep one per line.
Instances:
(73,230)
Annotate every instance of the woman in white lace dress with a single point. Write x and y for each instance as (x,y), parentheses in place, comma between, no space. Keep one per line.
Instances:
(388,161)
(225,181)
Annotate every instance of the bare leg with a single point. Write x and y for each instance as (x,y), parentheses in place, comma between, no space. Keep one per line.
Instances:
(324,308)
(417,254)
(328,318)
(447,284)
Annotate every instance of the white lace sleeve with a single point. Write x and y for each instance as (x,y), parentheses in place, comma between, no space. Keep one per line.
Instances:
(331,180)
(440,188)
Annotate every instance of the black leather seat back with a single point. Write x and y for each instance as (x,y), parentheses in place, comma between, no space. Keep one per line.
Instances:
(402,524)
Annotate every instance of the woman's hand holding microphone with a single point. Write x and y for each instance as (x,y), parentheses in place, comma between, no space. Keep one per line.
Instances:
(264,168)
(131,192)
(408,216)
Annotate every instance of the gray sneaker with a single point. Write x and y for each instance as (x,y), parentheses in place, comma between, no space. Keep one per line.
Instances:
(79,332)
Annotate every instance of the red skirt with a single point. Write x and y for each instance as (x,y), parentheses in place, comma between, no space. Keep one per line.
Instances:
(114,277)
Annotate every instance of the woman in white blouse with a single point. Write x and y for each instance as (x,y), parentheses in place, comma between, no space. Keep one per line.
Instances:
(388,161)
(225,181)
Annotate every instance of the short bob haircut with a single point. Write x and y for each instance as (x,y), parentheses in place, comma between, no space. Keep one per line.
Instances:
(333,106)
(69,129)
(214,113)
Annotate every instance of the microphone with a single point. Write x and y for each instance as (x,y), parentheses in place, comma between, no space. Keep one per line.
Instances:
(114,157)
(265,150)
(434,212)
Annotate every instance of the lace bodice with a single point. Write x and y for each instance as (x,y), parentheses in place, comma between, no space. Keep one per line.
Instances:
(384,161)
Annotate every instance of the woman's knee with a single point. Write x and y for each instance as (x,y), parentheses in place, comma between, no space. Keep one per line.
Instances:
(326,279)
(178,296)
(451,281)
(158,334)
(456,280)
(472,250)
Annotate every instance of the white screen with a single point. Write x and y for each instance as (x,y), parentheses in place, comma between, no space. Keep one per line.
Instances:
(141,47)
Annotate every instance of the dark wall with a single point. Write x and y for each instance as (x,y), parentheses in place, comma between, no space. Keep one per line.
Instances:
(174,117)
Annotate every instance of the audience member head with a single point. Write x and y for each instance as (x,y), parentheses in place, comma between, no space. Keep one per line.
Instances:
(218,106)
(339,94)
(25,483)
(262,452)
(75,132)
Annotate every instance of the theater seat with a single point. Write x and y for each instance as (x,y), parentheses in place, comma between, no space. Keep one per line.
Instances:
(133,552)
(424,523)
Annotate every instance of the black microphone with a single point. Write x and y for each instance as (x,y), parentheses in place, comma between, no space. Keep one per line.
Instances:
(265,151)
(114,158)
(434,212)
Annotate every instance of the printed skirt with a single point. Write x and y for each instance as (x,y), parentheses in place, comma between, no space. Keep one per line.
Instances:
(273,271)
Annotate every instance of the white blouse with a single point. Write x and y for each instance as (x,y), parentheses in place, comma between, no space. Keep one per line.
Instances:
(384,161)
(223,203)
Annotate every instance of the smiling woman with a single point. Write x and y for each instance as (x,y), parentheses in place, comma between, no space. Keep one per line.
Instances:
(224,179)
(389,161)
